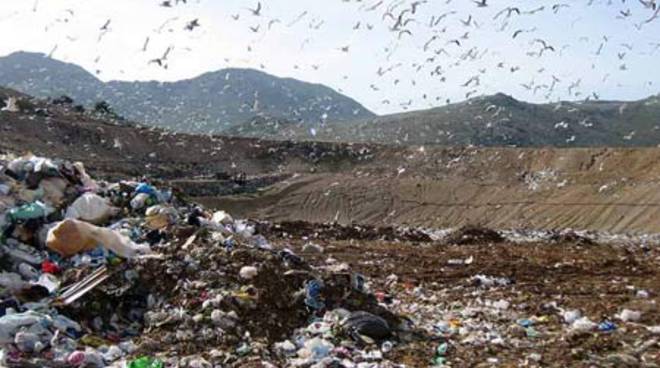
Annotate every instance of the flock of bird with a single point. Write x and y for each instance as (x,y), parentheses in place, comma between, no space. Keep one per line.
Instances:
(447,44)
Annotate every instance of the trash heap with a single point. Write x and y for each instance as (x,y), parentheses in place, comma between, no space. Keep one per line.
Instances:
(96,274)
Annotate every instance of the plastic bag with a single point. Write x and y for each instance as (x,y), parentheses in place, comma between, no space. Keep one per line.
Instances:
(367,324)
(71,237)
(12,281)
(91,208)
(31,211)
(11,323)
(159,217)
(53,190)
(85,179)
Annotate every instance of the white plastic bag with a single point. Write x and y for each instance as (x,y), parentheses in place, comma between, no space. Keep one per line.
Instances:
(91,208)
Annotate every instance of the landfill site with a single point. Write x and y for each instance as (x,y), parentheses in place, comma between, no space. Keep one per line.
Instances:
(125,246)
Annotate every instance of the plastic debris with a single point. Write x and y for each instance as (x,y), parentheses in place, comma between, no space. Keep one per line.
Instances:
(71,237)
(91,208)
(367,324)
(248,272)
(628,315)
(146,362)
(210,290)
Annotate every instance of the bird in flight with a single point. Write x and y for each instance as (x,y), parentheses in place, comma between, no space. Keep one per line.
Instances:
(257,11)
(192,25)
(508,12)
(481,3)
(161,60)
(106,25)
(104,29)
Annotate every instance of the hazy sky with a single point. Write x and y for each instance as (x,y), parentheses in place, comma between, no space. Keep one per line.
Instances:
(599,48)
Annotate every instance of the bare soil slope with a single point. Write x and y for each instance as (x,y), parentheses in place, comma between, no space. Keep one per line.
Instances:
(597,189)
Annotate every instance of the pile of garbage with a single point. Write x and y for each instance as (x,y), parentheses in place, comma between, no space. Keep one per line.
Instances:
(96,274)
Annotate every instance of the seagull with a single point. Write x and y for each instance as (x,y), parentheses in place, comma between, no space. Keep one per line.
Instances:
(104,29)
(192,25)
(297,19)
(518,32)
(257,11)
(655,14)
(624,14)
(374,7)
(557,7)
(161,60)
(405,31)
(545,46)
(426,45)
(534,11)
(481,3)
(508,11)
(272,22)
(52,51)
(415,4)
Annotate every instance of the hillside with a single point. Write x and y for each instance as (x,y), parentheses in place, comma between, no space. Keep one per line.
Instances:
(249,103)
(608,189)
(497,120)
(208,103)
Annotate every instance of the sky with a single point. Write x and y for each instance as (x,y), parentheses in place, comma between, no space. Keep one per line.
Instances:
(602,48)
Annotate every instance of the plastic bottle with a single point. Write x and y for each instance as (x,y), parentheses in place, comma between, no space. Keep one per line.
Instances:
(146,362)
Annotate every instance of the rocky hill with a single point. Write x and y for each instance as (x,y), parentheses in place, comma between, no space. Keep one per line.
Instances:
(208,103)
(497,120)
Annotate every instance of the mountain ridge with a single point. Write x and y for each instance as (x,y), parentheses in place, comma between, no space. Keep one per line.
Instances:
(207,103)
(494,120)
